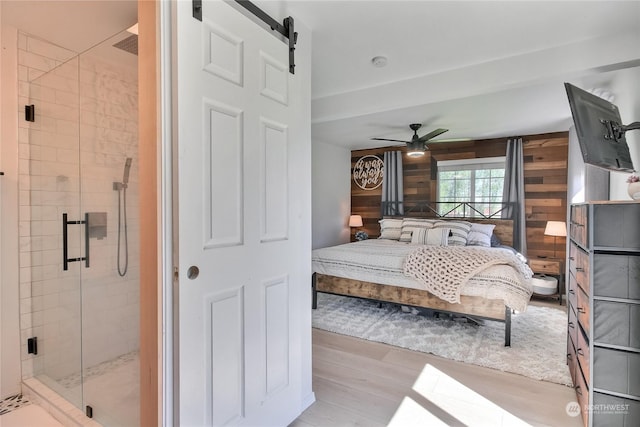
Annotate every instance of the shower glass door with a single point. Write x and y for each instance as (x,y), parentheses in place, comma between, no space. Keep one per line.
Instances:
(83,202)
(53,187)
(109,194)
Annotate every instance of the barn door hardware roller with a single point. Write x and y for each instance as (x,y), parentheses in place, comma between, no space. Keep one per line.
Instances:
(286,28)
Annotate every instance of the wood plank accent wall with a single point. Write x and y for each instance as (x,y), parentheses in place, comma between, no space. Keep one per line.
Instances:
(545,164)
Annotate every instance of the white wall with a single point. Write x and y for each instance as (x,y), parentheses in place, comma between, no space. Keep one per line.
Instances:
(331,194)
(627,98)
(9,287)
(624,86)
(585,182)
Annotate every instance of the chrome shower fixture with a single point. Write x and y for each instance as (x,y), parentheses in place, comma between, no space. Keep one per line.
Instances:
(118,186)
(121,188)
(129,44)
(127,168)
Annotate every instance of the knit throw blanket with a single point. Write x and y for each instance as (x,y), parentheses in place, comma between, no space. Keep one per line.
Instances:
(445,270)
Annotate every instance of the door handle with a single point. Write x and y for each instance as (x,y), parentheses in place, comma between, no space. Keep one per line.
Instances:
(65,241)
(193,272)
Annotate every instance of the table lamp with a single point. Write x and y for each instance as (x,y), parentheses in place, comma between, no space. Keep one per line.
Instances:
(555,229)
(355,221)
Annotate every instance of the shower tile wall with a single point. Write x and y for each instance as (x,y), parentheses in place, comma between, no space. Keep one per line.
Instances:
(44,194)
(108,135)
(49,181)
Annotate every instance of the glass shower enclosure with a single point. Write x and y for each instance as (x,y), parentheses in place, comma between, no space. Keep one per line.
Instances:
(82,248)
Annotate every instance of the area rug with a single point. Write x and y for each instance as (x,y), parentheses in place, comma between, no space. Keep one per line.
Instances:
(538,336)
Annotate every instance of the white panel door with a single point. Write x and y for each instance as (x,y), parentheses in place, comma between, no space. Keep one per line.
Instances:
(235,103)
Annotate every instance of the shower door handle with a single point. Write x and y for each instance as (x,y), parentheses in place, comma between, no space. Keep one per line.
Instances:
(65,241)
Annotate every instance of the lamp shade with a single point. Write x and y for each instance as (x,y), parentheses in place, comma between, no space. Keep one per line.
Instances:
(556,228)
(355,221)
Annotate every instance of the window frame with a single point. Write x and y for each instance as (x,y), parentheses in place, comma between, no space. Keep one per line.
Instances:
(471,165)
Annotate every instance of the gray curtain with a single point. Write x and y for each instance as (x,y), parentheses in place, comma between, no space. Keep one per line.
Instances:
(392,188)
(513,193)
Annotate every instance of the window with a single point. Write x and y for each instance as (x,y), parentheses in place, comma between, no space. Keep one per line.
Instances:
(476,181)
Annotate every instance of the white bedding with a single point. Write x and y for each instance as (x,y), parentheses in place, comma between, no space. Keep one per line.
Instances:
(382,261)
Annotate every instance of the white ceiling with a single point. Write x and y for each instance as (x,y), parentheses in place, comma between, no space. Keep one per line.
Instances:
(481,69)
(73,24)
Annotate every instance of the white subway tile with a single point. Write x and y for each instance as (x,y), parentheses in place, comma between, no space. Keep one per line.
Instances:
(33,60)
(23,135)
(25,243)
(69,99)
(48,50)
(38,93)
(23,73)
(25,259)
(22,40)
(34,74)
(24,151)
(26,305)
(25,290)
(24,228)
(25,275)
(37,287)
(24,197)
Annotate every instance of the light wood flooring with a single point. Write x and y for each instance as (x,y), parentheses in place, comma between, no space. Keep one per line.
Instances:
(363,383)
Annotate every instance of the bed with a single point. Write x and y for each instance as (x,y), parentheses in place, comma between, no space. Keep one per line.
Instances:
(400,271)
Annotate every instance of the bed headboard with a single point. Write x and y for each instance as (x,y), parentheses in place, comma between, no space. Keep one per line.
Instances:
(461,211)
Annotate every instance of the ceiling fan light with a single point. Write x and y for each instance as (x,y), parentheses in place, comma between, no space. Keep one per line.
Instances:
(415,153)
(415,149)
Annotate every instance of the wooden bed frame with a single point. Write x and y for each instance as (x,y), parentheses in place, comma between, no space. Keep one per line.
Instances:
(477,307)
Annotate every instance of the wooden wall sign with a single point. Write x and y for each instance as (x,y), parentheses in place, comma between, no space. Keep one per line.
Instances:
(368,172)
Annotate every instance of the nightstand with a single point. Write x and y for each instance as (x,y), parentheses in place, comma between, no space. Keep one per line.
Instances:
(551,267)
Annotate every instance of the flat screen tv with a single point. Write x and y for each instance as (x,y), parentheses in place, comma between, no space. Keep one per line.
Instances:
(600,130)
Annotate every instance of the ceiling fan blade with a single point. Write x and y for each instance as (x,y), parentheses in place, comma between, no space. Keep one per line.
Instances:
(432,134)
(392,140)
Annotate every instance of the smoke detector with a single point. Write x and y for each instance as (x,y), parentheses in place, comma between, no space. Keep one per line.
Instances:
(379,61)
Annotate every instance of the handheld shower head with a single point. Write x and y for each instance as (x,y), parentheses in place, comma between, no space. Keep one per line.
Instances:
(119,186)
(127,168)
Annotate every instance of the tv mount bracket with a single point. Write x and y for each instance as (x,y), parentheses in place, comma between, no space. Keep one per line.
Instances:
(286,28)
(616,131)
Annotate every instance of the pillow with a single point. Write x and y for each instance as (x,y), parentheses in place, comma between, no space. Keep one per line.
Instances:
(480,235)
(431,236)
(495,241)
(390,228)
(409,225)
(459,231)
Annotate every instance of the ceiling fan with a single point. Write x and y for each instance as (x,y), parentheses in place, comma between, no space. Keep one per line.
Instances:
(417,145)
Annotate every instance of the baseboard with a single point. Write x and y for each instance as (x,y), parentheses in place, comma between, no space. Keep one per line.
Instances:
(308,401)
